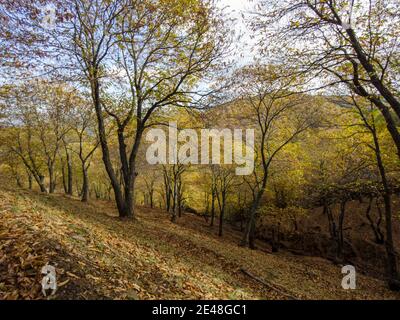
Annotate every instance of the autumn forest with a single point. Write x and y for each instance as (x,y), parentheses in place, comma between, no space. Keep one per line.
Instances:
(199,149)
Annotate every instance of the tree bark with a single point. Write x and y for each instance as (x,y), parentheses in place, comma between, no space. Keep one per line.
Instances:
(340,236)
(249,233)
(221,217)
(40,181)
(85,185)
(212,207)
(123,197)
(393,275)
(379,237)
(29,181)
(52,182)
(175,200)
(69,174)
(64,180)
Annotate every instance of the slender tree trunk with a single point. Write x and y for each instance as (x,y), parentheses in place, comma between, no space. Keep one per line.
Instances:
(123,207)
(64,180)
(221,217)
(275,239)
(30,181)
(180,196)
(249,232)
(167,188)
(40,181)
(151,196)
(379,237)
(168,201)
(212,208)
(390,121)
(52,183)
(85,185)
(252,234)
(34,172)
(388,95)
(70,174)
(175,204)
(393,275)
(331,221)
(340,236)
(394,282)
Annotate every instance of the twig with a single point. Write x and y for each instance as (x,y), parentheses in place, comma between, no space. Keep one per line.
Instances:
(269,285)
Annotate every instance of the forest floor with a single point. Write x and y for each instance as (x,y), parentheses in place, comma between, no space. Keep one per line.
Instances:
(98,256)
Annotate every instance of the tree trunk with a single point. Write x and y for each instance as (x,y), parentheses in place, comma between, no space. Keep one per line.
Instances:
(385,91)
(34,172)
(379,237)
(249,232)
(221,217)
(212,208)
(29,181)
(64,180)
(124,200)
(52,183)
(17,176)
(151,196)
(175,203)
(40,181)
(390,122)
(394,283)
(167,188)
(393,275)
(340,236)
(180,196)
(70,175)
(331,222)
(274,239)
(85,185)
(128,199)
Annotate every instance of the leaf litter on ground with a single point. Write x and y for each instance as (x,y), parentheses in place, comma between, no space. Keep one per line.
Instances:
(98,256)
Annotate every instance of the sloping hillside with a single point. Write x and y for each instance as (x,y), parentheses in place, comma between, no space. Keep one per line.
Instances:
(96,255)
